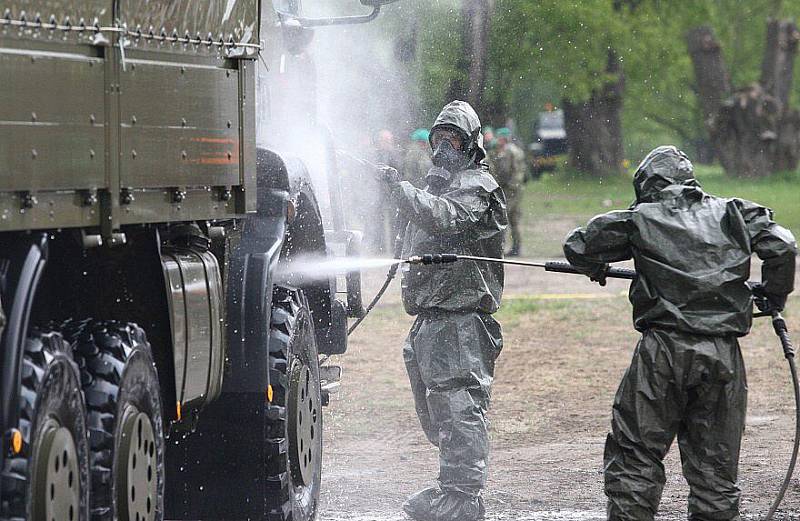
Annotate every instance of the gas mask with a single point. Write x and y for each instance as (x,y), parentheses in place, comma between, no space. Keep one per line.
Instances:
(447,157)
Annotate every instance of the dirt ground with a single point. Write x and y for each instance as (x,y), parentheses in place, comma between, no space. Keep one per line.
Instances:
(567,344)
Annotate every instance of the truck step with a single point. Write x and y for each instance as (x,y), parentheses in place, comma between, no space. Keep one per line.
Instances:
(330,373)
(329,379)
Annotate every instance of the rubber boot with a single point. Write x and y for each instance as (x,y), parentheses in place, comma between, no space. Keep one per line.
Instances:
(432,504)
(418,505)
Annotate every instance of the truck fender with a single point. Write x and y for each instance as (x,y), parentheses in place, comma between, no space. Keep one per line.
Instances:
(249,290)
(25,262)
(306,236)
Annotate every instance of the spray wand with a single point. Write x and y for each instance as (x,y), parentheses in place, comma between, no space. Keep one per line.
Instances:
(553,266)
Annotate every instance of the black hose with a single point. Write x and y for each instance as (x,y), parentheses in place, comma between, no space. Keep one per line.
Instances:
(398,250)
(788,350)
(389,277)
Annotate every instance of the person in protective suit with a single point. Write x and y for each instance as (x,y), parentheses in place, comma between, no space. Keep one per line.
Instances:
(451,349)
(691,302)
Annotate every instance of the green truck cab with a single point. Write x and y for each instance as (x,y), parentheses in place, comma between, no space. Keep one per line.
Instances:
(155,361)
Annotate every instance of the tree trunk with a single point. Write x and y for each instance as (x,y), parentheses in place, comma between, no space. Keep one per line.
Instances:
(777,67)
(594,126)
(473,64)
(710,72)
(753,130)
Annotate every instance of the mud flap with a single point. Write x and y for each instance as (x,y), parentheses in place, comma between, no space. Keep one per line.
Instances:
(230,432)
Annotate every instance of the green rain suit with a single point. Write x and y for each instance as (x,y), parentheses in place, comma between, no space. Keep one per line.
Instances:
(451,349)
(690,302)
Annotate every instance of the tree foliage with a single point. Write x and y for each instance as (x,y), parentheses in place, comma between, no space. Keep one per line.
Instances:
(550,50)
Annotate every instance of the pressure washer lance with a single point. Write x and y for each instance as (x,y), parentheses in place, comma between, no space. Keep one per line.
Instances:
(554,266)
(778,324)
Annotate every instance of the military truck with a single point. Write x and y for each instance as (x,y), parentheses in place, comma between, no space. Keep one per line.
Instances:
(155,363)
(550,142)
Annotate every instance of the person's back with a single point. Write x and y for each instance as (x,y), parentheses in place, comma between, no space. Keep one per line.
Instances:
(691,301)
(692,251)
(709,257)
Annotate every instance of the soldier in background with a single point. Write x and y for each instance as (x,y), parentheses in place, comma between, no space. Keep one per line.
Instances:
(417,161)
(507,163)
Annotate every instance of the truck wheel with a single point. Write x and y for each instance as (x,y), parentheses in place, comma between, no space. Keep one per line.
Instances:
(49,478)
(126,438)
(294,461)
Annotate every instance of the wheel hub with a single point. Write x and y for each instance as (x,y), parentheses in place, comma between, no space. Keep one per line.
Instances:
(136,468)
(304,423)
(57,478)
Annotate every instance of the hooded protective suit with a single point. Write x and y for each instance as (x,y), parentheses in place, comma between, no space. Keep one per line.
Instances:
(691,302)
(451,349)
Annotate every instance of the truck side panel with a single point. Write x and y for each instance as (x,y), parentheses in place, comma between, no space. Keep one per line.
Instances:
(180,125)
(90,11)
(126,112)
(52,133)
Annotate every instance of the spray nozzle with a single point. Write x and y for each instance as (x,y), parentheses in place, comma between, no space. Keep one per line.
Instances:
(437,258)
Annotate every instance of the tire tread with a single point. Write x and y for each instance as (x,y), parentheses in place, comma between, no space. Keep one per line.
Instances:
(40,348)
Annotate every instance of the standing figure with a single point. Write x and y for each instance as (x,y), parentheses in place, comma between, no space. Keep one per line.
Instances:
(691,302)
(508,161)
(451,349)
(417,161)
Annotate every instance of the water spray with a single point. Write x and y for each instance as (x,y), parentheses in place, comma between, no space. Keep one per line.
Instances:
(358,160)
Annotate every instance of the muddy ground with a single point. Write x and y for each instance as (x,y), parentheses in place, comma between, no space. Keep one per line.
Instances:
(567,344)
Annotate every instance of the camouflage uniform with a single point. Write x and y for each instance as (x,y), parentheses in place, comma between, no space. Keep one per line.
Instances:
(508,164)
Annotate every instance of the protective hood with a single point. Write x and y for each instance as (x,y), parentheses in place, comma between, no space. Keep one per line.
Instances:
(663,166)
(461,115)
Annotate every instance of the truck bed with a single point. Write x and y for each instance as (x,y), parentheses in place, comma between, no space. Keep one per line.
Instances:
(150,119)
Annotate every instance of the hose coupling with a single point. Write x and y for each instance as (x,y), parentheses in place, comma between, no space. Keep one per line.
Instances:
(436,258)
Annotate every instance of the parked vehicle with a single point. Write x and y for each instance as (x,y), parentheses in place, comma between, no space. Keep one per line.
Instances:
(550,142)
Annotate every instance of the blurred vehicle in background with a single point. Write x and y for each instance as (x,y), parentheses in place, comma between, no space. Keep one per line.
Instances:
(550,142)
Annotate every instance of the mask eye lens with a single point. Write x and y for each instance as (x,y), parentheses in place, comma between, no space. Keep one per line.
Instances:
(446,135)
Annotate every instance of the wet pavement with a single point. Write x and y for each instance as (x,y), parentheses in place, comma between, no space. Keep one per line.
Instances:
(552,515)
(516,515)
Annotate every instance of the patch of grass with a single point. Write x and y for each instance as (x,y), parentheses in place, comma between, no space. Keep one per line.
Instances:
(562,200)
(781,192)
(514,310)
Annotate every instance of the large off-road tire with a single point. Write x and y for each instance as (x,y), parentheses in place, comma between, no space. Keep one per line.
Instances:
(49,479)
(126,437)
(294,455)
